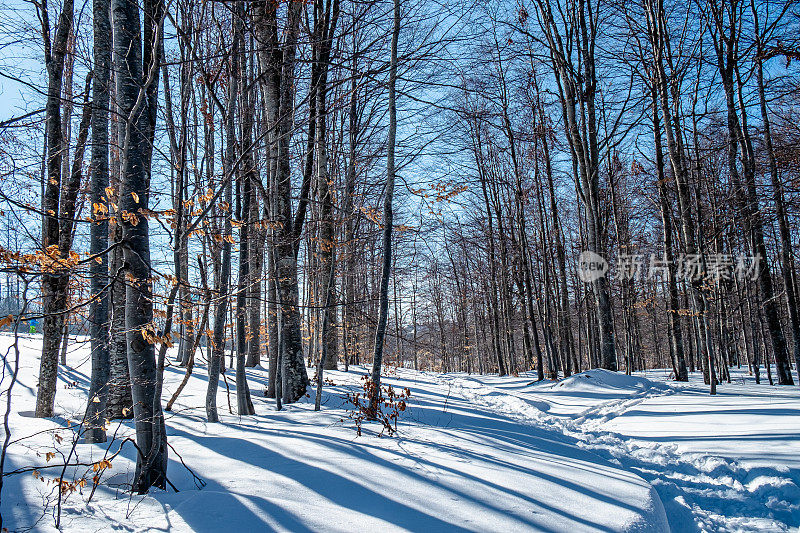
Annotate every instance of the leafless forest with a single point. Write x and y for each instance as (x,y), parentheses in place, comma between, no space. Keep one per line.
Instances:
(308,185)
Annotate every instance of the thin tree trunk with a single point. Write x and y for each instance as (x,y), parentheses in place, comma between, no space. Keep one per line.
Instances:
(388,220)
(673,304)
(222,282)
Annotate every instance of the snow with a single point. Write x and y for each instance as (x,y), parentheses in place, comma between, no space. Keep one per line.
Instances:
(598,451)
(729,462)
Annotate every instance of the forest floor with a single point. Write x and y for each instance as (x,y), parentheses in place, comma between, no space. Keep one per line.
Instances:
(595,452)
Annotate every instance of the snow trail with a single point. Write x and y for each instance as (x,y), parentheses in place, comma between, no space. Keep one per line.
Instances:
(700,491)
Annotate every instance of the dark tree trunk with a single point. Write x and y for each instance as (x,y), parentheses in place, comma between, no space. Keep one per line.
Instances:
(388,219)
(327,239)
(54,287)
(222,281)
(119,403)
(278,65)
(132,76)
(787,263)
(243,401)
(244,199)
(98,231)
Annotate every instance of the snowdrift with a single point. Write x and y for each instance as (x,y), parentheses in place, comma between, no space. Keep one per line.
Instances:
(599,380)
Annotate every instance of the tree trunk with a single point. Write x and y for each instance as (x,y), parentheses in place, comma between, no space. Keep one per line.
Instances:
(222,282)
(388,220)
(98,231)
(120,401)
(726,47)
(659,42)
(54,290)
(326,15)
(133,76)
(673,303)
(787,263)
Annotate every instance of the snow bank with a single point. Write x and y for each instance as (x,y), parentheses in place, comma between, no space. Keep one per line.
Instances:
(599,380)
